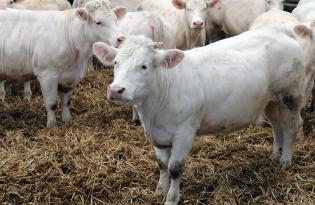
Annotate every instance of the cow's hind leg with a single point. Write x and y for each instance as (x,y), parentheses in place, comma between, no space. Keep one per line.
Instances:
(65,96)
(163,156)
(272,112)
(27,92)
(2,90)
(49,86)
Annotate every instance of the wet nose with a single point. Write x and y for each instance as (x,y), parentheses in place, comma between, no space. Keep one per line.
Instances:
(197,24)
(115,92)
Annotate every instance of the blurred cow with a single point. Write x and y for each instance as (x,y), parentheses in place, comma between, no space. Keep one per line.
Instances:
(236,16)
(187,19)
(55,53)
(230,83)
(58,5)
(305,12)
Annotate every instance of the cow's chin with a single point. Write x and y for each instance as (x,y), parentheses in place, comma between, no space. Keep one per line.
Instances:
(120,101)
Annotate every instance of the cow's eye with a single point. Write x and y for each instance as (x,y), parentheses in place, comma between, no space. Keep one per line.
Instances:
(115,63)
(99,23)
(143,67)
(204,9)
(188,9)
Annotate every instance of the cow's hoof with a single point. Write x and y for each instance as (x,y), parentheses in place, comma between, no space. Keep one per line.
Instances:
(51,124)
(136,122)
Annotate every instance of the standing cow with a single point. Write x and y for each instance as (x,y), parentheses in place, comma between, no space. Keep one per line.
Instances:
(58,5)
(55,53)
(187,18)
(236,16)
(231,82)
(305,12)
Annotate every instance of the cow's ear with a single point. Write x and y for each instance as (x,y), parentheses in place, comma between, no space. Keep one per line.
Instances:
(104,52)
(179,4)
(171,58)
(215,4)
(119,11)
(82,14)
(302,31)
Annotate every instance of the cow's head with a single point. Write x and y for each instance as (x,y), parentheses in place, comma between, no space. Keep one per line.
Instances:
(101,21)
(138,63)
(196,11)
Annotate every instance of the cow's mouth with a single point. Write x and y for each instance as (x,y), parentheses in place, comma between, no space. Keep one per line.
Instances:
(119,101)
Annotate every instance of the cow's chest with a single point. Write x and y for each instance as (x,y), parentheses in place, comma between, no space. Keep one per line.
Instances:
(158,136)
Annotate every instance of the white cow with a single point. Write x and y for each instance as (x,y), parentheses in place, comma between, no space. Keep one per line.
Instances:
(215,89)
(150,25)
(187,19)
(130,5)
(55,53)
(305,12)
(236,16)
(58,5)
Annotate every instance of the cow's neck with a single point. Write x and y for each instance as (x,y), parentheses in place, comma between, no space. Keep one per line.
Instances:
(76,37)
(165,102)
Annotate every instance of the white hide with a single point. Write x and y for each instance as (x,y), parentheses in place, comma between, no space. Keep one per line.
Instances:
(215,89)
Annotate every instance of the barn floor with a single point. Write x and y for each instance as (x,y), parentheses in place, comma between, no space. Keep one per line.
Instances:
(102,158)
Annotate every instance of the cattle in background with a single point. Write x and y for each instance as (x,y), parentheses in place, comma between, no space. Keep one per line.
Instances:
(231,83)
(236,16)
(130,5)
(56,53)
(187,19)
(57,5)
(305,12)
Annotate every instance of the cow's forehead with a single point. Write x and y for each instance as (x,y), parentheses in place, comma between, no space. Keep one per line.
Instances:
(98,5)
(196,2)
(136,47)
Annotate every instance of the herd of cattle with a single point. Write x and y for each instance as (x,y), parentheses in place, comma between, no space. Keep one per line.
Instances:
(179,87)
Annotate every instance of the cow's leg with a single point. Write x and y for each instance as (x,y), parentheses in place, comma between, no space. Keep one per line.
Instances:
(65,97)
(27,90)
(291,123)
(49,90)
(2,90)
(313,99)
(164,181)
(65,106)
(181,146)
(272,112)
(135,116)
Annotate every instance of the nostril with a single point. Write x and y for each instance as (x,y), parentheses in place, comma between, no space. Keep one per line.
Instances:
(121,39)
(120,91)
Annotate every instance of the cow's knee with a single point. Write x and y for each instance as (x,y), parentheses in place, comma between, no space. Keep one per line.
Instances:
(176,169)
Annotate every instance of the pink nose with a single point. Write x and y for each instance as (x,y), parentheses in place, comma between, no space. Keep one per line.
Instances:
(114,92)
(197,24)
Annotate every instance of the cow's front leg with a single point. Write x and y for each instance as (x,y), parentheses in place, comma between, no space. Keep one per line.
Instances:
(27,92)
(65,95)
(181,147)
(163,156)
(49,90)
(2,89)
(135,116)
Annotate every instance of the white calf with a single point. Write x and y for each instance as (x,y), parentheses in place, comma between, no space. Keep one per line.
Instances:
(215,89)
(55,53)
